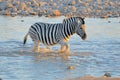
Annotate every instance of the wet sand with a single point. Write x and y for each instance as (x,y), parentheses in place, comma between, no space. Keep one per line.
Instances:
(94,78)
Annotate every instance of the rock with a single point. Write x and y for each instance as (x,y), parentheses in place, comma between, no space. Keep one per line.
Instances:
(88,8)
(14,14)
(32,13)
(22,20)
(107,74)
(15,3)
(0,9)
(14,9)
(44,11)
(28,3)
(54,4)
(109,21)
(74,9)
(23,6)
(72,3)
(39,14)
(71,67)
(56,13)
(42,3)
(0,78)
(10,5)
(3,5)
(24,13)
(5,12)
(35,9)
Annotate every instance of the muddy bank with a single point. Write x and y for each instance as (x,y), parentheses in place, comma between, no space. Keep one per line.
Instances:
(95,78)
(86,8)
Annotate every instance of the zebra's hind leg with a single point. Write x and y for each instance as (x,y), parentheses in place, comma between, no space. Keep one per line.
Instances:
(63,48)
(36,46)
(67,48)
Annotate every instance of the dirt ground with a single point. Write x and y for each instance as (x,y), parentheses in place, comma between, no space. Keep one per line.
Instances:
(95,78)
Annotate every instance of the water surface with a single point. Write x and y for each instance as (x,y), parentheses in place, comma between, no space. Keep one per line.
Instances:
(100,53)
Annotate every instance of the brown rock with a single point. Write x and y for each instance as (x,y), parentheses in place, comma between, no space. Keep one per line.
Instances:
(71,67)
(74,9)
(23,6)
(10,5)
(33,13)
(73,3)
(56,12)
(54,4)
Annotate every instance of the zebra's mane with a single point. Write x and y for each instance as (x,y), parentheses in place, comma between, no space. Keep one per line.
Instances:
(80,18)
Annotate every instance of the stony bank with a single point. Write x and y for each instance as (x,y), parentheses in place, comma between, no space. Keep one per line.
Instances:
(85,8)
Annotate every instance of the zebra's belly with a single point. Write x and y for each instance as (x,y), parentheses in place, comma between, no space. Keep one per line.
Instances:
(49,44)
(48,39)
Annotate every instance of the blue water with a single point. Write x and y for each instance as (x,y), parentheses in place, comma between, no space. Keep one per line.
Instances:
(100,53)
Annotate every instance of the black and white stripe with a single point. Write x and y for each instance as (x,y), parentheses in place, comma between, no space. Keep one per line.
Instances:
(50,34)
(45,33)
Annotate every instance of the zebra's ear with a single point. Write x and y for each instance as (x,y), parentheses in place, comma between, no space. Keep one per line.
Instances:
(64,20)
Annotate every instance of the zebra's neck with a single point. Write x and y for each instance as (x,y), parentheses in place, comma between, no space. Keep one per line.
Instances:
(68,30)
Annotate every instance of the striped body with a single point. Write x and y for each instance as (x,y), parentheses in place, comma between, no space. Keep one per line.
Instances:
(51,34)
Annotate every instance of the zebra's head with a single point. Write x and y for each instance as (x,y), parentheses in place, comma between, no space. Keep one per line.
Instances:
(79,26)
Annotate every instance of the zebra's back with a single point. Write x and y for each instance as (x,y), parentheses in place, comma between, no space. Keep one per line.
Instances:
(45,33)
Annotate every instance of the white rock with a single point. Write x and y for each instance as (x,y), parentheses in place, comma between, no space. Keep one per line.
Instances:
(13,13)
(24,13)
(32,13)
(5,12)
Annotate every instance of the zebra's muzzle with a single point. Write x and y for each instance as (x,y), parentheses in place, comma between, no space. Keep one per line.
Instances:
(84,36)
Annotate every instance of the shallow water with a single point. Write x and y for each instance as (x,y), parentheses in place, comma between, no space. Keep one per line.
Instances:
(100,53)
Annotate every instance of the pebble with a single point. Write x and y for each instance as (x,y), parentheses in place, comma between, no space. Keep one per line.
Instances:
(109,21)
(22,20)
(71,67)
(33,13)
(88,8)
(107,74)
(56,12)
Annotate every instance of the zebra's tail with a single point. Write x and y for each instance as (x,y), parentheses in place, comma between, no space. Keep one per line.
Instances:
(25,38)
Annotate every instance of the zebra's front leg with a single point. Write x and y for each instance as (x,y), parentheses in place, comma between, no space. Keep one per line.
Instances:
(65,47)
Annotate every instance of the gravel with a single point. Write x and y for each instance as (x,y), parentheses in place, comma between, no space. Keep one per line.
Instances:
(84,8)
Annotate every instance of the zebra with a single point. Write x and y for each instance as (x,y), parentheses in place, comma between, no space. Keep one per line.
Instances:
(59,33)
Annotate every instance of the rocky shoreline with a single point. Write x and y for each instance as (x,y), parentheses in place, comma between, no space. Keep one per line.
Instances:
(85,8)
